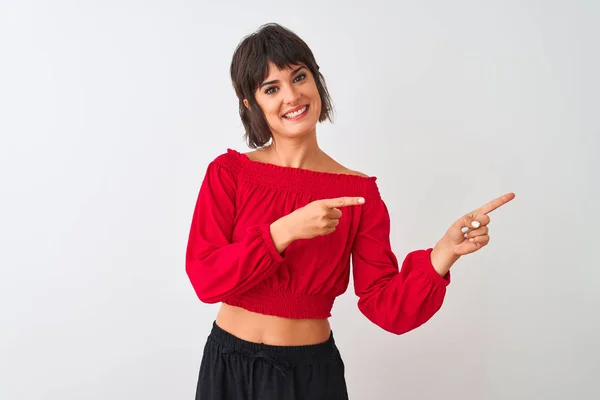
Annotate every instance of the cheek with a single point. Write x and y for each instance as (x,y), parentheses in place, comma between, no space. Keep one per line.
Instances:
(317,103)
(316,98)
(271,118)
(274,116)
(270,111)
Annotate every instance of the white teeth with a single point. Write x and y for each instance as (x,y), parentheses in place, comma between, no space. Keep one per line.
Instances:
(295,113)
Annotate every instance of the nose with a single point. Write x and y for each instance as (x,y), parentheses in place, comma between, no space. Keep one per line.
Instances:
(291,95)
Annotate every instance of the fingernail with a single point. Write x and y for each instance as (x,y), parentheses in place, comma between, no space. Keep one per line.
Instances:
(475,224)
(470,240)
(464,229)
(465,235)
(361,200)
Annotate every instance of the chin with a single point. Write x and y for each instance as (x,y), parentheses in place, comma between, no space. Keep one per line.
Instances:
(299,134)
(298,131)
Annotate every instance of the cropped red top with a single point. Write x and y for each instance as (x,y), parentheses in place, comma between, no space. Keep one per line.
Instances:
(231,257)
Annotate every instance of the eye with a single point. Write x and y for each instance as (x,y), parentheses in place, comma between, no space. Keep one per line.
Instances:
(271,90)
(300,77)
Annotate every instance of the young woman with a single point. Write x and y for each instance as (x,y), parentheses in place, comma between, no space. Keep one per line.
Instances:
(274,231)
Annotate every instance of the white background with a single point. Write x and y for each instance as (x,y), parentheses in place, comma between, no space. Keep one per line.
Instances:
(110,112)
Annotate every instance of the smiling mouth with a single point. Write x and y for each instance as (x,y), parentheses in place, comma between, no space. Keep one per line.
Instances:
(297,113)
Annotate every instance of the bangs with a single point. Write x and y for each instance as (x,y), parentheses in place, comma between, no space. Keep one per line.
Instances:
(270,44)
(281,61)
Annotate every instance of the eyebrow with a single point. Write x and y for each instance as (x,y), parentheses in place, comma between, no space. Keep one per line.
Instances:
(275,81)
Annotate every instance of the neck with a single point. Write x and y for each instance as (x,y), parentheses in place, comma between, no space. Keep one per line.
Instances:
(300,152)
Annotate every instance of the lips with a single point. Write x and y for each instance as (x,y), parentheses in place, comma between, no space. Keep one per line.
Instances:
(295,112)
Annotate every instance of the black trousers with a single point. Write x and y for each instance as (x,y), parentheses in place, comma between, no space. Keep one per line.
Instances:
(234,369)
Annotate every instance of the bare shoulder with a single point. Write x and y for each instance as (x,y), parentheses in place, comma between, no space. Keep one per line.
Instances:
(356,173)
(255,155)
(338,168)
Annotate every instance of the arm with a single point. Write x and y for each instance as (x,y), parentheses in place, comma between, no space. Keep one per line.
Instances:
(216,267)
(397,300)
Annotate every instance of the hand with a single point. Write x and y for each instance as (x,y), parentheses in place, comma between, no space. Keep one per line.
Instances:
(470,233)
(318,218)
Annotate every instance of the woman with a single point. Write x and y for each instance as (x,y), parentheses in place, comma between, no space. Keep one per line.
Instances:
(274,231)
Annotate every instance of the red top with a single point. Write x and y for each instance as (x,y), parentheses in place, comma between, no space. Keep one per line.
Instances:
(231,257)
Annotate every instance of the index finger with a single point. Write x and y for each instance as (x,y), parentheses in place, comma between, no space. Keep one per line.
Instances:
(343,202)
(496,203)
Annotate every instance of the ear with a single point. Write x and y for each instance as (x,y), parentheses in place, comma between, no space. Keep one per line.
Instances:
(246,104)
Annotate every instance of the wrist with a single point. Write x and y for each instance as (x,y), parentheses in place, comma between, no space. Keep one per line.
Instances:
(281,234)
(442,257)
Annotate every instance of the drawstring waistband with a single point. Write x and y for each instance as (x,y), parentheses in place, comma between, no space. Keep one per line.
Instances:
(282,357)
(281,365)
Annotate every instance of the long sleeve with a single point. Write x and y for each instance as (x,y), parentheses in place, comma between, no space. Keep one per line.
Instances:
(397,300)
(216,267)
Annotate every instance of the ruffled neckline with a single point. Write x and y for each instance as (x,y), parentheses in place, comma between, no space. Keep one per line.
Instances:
(301,172)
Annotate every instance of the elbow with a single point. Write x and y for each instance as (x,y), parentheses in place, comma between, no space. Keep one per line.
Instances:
(204,293)
(202,285)
(399,322)
(402,326)
(207,299)
(399,325)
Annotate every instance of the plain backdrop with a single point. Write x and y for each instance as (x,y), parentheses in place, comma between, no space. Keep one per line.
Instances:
(110,111)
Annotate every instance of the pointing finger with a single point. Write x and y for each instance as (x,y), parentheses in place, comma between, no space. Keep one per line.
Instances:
(496,203)
(343,202)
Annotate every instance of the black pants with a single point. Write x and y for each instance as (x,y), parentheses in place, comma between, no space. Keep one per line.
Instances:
(234,369)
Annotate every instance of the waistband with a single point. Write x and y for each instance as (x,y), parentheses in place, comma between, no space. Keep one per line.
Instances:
(263,299)
(291,354)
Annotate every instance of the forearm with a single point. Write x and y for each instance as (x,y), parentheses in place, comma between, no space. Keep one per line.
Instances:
(442,258)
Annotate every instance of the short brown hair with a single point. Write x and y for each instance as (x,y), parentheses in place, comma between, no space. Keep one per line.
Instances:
(250,66)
